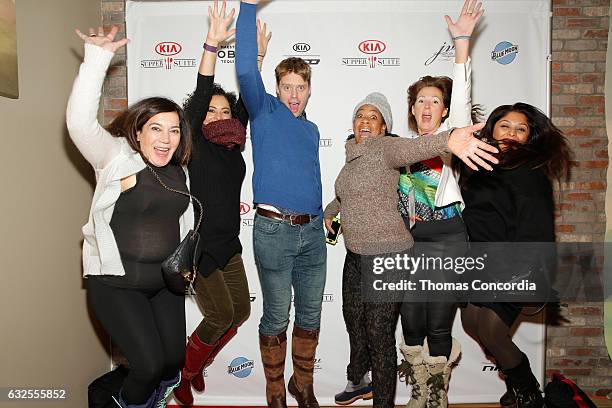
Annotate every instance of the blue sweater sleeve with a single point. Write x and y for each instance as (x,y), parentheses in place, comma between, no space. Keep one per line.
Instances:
(252,88)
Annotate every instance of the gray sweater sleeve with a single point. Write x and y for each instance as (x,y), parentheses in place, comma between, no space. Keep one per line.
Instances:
(400,152)
(332,209)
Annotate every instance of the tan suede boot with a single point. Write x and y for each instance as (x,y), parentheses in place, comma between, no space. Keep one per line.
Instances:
(439,369)
(273,351)
(414,370)
(303,349)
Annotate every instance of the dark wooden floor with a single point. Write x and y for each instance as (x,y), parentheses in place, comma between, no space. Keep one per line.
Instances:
(600,402)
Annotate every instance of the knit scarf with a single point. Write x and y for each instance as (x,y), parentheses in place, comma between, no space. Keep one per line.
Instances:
(228,133)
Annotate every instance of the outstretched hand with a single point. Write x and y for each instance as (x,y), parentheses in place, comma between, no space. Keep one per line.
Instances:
(219,24)
(472,151)
(263,38)
(103,41)
(470,14)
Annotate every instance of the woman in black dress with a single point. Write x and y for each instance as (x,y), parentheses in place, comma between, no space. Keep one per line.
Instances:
(134,224)
(514,203)
(217,121)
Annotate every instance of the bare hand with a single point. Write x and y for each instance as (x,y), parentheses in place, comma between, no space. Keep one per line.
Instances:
(465,24)
(263,38)
(470,150)
(219,24)
(328,225)
(103,41)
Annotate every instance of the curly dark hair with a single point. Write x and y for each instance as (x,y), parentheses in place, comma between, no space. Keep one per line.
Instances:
(445,85)
(217,89)
(546,149)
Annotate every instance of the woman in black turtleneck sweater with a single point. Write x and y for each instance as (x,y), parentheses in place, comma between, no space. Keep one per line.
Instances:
(217,170)
(513,203)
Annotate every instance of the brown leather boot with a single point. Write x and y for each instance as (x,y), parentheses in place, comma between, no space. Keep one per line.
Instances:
(273,350)
(303,349)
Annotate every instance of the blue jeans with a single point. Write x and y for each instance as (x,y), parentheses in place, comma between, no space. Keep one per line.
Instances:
(290,255)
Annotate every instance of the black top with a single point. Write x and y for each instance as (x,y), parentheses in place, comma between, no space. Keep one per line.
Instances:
(145,225)
(509,206)
(216,174)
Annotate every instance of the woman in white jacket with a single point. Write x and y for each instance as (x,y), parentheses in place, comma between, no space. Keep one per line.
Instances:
(431,203)
(134,224)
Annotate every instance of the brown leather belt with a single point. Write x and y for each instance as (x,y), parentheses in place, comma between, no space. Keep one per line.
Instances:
(297,219)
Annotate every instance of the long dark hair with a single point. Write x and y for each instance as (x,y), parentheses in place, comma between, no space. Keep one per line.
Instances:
(445,85)
(130,122)
(546,149)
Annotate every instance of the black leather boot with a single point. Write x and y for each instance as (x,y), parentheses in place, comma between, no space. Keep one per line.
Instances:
(525,385)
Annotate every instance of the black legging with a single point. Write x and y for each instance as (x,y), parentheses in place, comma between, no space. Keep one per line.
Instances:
(433,320)
(486,327)
(148,327)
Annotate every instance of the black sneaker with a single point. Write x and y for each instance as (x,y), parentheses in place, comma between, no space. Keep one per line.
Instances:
(347,398)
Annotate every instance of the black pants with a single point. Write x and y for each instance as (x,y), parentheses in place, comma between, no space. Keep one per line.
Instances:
(434,319)
(371,330)
(148,327)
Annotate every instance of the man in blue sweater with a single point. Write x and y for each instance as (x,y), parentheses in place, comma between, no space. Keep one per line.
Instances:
(288,236)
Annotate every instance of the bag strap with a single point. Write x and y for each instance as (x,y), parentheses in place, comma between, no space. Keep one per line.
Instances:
(197,225)
(575,394)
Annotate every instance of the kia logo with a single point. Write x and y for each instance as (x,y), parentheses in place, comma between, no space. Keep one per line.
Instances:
(301,47)
(168,48)
(244,208)
(372,47)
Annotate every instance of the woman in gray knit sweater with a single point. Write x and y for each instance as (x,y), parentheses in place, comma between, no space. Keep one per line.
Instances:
(366,195)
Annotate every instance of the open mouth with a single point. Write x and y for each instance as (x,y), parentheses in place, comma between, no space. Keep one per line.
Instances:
(294,107)
(162,152)
(364,132)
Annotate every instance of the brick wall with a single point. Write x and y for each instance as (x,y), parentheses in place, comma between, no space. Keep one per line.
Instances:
(580,40)
(114,95)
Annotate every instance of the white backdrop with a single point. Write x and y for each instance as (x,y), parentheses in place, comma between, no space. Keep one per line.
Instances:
(510,63)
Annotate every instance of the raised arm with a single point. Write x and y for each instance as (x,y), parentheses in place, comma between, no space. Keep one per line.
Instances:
(218,32)
(93,141)
(462,29)
(252,88)
(402,152)
(461,98)
(263,39)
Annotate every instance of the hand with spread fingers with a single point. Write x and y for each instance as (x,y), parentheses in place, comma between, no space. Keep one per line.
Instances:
(472,151)
(470,14)
(103,41)
(219,30)
(263,38)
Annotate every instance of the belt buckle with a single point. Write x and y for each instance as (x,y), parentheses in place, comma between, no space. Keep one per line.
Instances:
(292,218)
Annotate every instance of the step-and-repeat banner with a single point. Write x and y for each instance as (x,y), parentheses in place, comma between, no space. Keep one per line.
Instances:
(354,48)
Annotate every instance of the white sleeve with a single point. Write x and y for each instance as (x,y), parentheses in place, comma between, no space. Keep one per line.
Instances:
(93,141)
(461,99)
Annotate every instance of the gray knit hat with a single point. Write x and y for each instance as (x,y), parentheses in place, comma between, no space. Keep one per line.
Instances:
(379,101)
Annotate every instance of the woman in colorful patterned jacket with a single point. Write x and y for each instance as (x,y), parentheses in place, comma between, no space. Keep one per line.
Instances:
(431,203)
